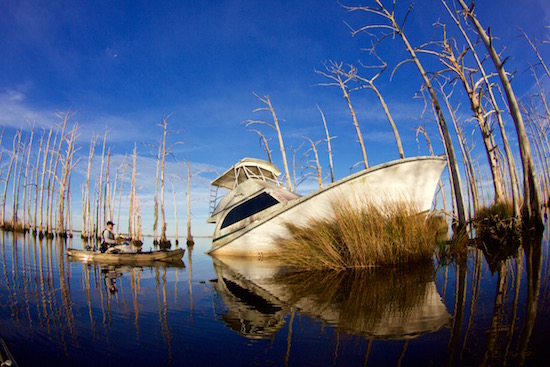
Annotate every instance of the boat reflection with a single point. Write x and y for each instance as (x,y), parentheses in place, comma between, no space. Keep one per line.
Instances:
(381,304)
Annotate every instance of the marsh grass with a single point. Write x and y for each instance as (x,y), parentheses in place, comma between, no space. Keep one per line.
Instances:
(498,232)
(375,235)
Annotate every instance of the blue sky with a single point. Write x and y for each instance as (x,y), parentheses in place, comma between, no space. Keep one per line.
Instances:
(125,64)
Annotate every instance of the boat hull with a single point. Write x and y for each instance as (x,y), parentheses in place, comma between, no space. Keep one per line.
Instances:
(411,180)
(126,258)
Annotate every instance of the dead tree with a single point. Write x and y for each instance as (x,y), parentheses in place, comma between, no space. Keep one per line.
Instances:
(163,153)
(107,190)
(264,140)
(26,182)
(512,172)
(132,232)
(421,130)
(456,65)
(13,157)
(468,163)
(316,165)
(275,126)
(329,146)
(190,241)
(124,167)
(16,184)
(295,180)
(67,166)
(155,199)
(532,212)
(35,186)
(86,214)
(98,220)
(44,163)
(341,79)
(65,117)
(369,84)
(392,27)
(172,178)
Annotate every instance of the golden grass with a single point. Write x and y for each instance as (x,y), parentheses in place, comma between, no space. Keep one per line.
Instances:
(368,237)
(498,232)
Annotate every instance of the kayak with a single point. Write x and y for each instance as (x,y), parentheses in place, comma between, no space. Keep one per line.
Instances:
(126,257)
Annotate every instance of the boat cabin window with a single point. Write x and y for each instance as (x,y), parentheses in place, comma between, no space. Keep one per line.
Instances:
(248,208)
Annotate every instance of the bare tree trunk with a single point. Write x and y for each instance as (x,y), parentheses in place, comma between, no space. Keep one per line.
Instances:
(86,202)
(266,146)
(507,149)
(121,186)
(35,220)
(131,227)
(190,240)
(329,147)
(335,73)
(26,183)
(66,167)
(451,157)
(64,119)
(370,84)
(532,214)
(138,220)
(275,127)
(317,167)
(420,129)
(99,221)
(457,66)
(16,182)
(156,203)
(175,210)
(468,164)
(44,162)
(163,159)
(13,156)
(107,189)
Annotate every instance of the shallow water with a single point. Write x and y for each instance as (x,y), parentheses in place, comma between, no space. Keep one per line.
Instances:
(208,311)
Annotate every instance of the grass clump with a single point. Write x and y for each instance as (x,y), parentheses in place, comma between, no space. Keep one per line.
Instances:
(372,236)
(498,232)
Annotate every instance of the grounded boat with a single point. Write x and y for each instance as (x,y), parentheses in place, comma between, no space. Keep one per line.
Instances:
(251,217)
(126,257)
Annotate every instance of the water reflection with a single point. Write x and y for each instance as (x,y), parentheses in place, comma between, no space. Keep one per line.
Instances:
(462,313)
(45,297)
(377,304)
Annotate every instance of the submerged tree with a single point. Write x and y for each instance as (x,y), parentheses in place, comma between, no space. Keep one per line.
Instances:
(341,79)
(532,213)
(392,28)
(275,126)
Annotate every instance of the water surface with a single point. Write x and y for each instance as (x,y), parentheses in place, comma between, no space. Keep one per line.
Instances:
(232,312)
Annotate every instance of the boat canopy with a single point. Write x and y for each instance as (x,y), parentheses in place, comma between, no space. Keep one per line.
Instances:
(247,168)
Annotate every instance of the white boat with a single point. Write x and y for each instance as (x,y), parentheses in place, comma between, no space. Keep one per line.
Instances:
(251,217)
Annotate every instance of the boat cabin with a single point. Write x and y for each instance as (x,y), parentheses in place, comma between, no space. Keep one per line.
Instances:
(253,186)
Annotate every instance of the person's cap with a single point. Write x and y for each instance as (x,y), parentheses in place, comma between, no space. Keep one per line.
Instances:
(110,223)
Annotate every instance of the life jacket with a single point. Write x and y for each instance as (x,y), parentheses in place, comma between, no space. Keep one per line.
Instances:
(110,235)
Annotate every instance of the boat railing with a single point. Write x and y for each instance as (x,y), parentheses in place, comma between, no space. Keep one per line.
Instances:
(240,174)
(214,199)
(251,174)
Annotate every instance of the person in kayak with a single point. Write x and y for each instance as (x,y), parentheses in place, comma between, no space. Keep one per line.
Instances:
(108,237)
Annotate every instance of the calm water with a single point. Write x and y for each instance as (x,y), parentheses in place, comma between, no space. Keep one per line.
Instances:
(208,311)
